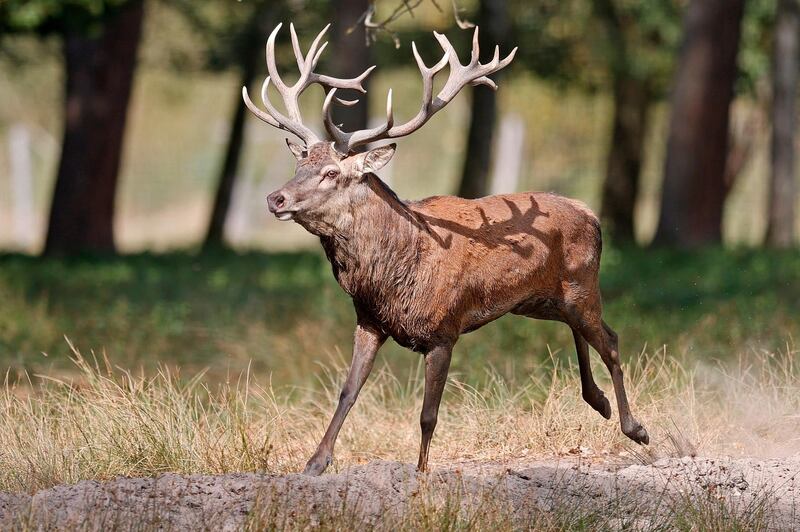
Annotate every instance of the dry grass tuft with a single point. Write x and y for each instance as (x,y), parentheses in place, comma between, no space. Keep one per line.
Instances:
(109,422)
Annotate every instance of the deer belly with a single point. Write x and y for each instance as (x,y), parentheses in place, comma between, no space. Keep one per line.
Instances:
(477,317)
(421,339)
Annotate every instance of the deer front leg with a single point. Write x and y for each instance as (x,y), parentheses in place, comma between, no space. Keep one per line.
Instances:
(437,363)
(367,340)
(592,394)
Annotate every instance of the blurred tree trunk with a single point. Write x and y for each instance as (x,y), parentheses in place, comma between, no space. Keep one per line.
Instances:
(694,187)
(252,51)
(99,78)
(785,64)
(494,23)
(632,99)
(349,58)
(215,235)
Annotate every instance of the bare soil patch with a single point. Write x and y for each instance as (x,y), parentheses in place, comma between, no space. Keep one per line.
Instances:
(378,493)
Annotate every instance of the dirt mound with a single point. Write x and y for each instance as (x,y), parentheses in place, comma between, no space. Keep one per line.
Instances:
(633,495)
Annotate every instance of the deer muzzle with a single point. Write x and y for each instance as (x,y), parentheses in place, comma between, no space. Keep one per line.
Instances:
(278,204)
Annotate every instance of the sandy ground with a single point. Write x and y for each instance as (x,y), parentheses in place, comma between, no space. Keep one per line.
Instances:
(376,491)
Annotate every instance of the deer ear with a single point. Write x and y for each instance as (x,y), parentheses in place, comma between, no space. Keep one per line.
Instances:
(374,160)
(297,150)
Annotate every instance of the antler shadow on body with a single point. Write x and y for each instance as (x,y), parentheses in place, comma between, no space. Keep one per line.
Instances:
(425,272)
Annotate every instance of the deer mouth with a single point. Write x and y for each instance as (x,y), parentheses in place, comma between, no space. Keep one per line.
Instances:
(284,216)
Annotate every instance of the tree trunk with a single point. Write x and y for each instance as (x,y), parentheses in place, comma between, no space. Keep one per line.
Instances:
(215,235)
(478,157)
(694,188)
(494,24)
(621,186)
(632,100)
(99,77)
(785,64)
(350,57)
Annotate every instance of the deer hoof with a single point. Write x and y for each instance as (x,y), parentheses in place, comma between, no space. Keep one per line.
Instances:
(604,408)
(600,403)
(637,434)
(317,465)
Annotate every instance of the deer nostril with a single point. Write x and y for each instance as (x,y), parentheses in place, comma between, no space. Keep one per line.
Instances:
(276,201)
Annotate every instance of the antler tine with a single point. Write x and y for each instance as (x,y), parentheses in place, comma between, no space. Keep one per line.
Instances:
(346,103)
(313,55)
(258,112)
(266,101)
(510,57)
(344,141)
(290,94)
(496,57)
(449,51)
(339,83)
(389,112)
(484,80)
(423,68)
(308,62)
(292,126)
(428,74)
(365,136)
(473,73)
(340,138)
(271,66)
(298,53)
(495,64)
(475,57)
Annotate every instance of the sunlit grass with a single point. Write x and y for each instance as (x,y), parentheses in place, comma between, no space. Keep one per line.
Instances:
(106,422)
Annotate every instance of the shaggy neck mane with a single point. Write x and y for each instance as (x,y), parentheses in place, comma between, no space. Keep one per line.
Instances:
(379,238)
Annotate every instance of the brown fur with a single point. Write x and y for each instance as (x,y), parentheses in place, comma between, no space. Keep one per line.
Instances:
(428,271)
(425,272)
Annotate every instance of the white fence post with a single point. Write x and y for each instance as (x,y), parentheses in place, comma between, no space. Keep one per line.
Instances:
(22,201)
(508,155)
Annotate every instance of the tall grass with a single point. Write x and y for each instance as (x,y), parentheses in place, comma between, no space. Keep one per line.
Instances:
(106,421)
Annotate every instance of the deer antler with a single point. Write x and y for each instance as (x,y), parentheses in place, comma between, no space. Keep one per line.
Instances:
(290,94)
(473,73)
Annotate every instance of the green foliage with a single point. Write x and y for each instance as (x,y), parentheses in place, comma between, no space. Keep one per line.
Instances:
(587,42)
(286,313)
(229,31)
(756,46)
(47,16)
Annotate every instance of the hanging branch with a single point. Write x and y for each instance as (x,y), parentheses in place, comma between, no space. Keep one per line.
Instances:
(375,27)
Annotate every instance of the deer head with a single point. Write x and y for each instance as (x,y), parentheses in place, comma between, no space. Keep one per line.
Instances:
(330,174)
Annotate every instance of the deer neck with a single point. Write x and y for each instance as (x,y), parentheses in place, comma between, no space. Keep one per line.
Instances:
(376,241)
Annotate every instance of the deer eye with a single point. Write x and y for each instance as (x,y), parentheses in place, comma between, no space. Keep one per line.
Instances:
(330,174)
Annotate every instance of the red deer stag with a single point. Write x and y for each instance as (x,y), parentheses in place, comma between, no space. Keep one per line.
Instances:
(425,272)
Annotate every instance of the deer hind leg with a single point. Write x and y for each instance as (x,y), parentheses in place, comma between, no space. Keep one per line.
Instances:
(437,363)
(592,394)
(548,309)
(604,340)
(366,343)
